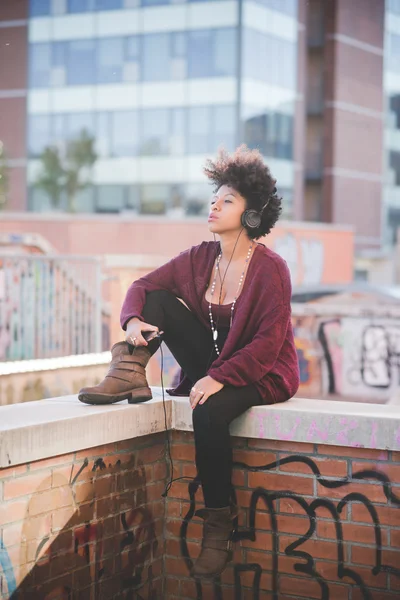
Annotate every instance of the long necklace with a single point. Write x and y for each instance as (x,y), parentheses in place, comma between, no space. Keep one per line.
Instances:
(214,330)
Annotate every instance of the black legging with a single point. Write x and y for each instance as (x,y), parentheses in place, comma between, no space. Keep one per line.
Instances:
(191,344)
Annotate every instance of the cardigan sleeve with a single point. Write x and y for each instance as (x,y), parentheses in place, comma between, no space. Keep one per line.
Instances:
(164,278)
(252,362)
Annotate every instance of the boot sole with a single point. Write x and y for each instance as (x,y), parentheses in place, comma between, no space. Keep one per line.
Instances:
(134,397)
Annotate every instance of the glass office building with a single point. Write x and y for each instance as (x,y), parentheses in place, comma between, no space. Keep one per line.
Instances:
(391,195)
(160,86)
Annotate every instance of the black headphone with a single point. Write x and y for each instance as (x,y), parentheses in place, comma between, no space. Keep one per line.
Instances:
(251,218)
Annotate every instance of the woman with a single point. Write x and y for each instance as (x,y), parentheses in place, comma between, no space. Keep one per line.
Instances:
(232,336)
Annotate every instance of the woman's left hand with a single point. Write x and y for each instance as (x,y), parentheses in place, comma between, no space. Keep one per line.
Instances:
(203,389)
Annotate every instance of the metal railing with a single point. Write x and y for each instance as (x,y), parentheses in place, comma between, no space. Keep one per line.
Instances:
(49,306)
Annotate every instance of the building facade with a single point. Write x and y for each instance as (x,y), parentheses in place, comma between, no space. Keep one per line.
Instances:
(160,85)
(391,195)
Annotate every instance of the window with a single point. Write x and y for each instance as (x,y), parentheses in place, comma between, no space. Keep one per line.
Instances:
(132,58)
(39,135)
(212,53)
(155,199)
(199,130)
(224,128)
(81,62)
(269,132)
(288,7)
(393,6)
(155,132)
(224,60)
(110,198)
(59,53)
(110,60)
(163,132)
(39,8)
(124,133)
(156,57)
(154,2)
(103,134)
(39,65)
(269,58)
(198,197)
(200,53)
(80,6)
(78,122)
(109,4)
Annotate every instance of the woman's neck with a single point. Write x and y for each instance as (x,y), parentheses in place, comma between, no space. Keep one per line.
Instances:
(228,242)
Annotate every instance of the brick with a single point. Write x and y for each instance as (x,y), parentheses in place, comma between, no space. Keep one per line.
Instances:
(98,451)
(62,517)
(263,541)
(309,588)
(373,492)
(253,458)
(386,515)
(176,566)
(327,467)
(26,485)
(362,555)
(183,452)
(12,511)
(316,548)
(239,478)
(54,461)
(362,534)
(357,594)
(272,481)
(392,471)
(283,446)
(329,572)
(50,500)
(355,453)
(395,538)
(160,471)
(14,471)
(103,487)
(188,470)
(179,490)
(61,476)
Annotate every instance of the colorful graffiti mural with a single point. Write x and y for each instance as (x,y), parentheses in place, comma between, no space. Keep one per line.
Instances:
(49,306)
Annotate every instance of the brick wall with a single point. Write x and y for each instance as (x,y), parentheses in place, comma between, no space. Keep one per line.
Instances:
(316,521)
(326,524)
(87,525)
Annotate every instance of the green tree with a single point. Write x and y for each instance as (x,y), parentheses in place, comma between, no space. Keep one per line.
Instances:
(79,160)
(65,175)
(51,179)
(4,177)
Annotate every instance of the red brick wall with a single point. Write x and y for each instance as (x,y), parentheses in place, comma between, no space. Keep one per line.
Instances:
(87,525)
(311,524)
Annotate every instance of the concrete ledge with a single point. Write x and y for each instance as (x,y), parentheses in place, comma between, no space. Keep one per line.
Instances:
(38,430)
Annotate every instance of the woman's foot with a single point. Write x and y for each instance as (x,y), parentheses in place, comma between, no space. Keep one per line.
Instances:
(216,548)
(125,380)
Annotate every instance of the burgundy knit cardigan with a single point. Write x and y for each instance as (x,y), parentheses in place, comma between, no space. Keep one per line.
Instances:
(260,346)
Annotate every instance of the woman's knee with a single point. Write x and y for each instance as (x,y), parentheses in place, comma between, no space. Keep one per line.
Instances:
(207,416)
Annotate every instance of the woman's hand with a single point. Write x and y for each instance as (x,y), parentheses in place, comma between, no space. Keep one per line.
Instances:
(134,332)
(203,389)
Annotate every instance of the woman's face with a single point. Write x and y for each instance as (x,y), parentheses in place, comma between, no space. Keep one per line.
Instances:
(226,209)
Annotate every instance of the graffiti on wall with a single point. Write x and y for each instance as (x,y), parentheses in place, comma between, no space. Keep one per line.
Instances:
(348,356)
(48,307)
(87,554)
(266,500)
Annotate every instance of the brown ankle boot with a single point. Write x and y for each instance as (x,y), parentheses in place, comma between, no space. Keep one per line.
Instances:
(125,380)
(216,548)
